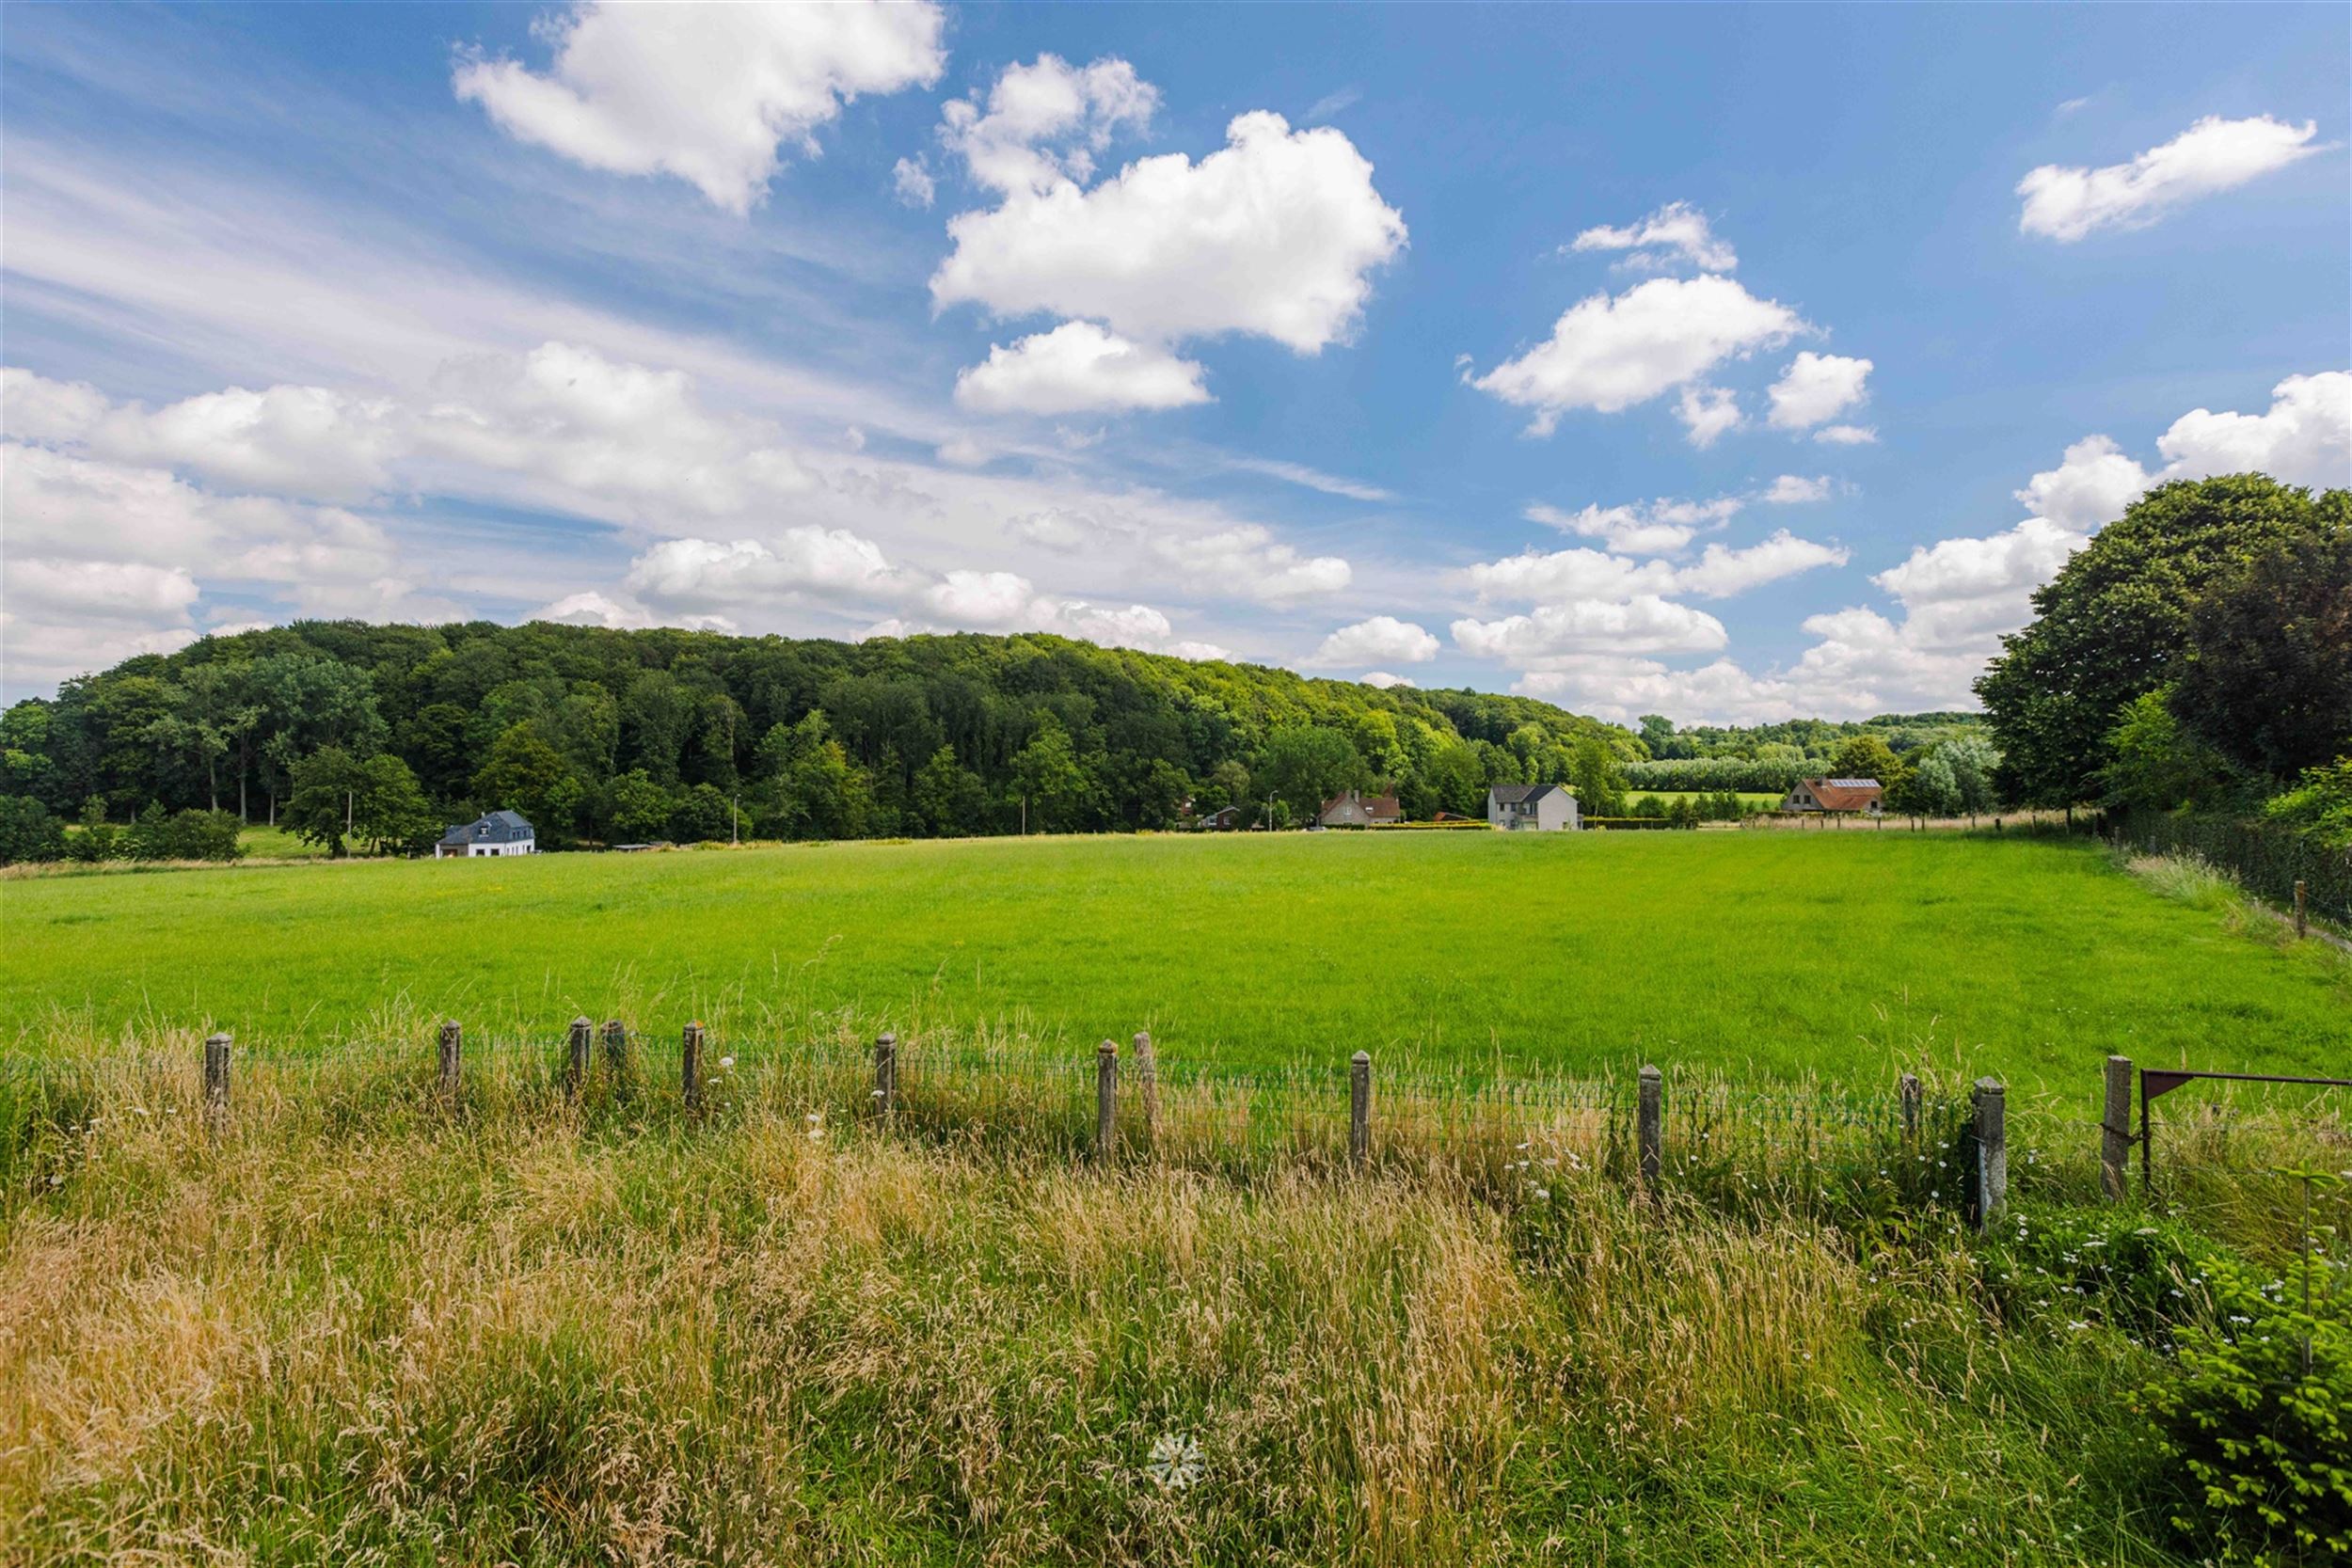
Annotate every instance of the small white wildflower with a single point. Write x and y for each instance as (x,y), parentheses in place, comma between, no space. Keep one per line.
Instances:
(1174,1463)
(57,1181)
(726,1062)
(1543,1195)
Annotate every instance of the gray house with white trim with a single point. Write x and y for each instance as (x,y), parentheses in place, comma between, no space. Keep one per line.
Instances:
(498,833)
(1533,808)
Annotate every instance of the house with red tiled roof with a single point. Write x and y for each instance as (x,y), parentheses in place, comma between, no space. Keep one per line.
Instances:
(1835,795)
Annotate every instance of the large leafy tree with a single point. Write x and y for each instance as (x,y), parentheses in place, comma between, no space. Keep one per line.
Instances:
(2111,625)
(341,800)
(1302,766)
(2267,676)
(523,774)
(1054,784)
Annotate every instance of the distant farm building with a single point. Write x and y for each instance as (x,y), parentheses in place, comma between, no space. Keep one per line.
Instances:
(1225,820)
(498,833)
(1835,795)
(1533,808)
(1356,809)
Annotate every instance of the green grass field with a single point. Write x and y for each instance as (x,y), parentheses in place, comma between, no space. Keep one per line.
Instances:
(1847,954)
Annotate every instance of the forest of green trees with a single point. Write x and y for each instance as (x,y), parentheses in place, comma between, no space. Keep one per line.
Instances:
(371,738)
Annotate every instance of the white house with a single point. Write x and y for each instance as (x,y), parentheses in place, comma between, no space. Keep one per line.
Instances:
(1533,808)
(498,833)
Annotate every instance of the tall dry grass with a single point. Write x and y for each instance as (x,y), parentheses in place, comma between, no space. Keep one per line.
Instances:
(358,1324)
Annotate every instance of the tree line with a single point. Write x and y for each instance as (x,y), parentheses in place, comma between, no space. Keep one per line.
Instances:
(371,738)
(2197,656)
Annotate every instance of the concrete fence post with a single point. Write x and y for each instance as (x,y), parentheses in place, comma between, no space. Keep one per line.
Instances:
(690,1065)
(1148,1087)
(576,1066)
(616,1054)
(2115,1127)
(215,1081)
(1107,1100)
(885,1073)
(453,1045)
(1360,1109)
(1992,1151)
(1649,1130)
(1907,1095)
(2302,913)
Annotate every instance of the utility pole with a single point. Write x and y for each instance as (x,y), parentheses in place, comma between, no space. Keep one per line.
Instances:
(735,830)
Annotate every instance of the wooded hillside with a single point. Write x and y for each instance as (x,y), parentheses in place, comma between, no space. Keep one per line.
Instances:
(618,736)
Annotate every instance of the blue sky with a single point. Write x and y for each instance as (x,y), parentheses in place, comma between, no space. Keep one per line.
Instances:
(1726,363)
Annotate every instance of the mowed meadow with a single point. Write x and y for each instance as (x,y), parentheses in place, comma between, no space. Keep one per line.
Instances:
(1845,954)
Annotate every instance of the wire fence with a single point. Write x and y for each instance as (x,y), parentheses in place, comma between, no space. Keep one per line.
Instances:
(1495,1132)
(1913,1146)
(2270,858)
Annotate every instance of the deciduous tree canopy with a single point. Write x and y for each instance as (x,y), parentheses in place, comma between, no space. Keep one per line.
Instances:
(382,734)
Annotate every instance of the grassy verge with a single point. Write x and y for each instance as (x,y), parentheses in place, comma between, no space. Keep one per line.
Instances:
(360,1326)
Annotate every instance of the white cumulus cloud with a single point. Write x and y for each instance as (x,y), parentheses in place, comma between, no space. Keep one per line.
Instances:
(1642,625)
(1816,389)
(1607,353)
(1708,413)
(1382,639)
(2065,203)
(2304,438)
(1045,122)
(1797,490)
(1722,571)
(1276,234)
(1660,527)
(1077,366)
(911,182)
(707,93)
(1676,229)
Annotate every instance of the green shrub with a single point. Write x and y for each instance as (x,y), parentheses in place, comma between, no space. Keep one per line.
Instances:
(28,832)
(2131,1270)
(2256,1417)
(187,835)
(2320,804)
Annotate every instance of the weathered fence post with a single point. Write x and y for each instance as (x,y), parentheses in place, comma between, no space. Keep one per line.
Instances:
(1649,1130)
(616,1056)
(690,1065)
(2302,918)
(1148,1084)
(576,1067)
(452,1042)
(885,1073)
(1360,1109)
(1907,1095)
(1105,1100)
(1992,1151)
(215,1081)
(2115,1127)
